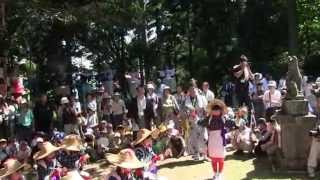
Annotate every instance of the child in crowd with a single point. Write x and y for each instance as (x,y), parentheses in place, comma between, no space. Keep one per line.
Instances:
(3,152)
(46,161)
(12,170)
(176,144)
(103,143)
(71,152)
(24,152)
(126,164)
(263,136)
(144,152)
(216,140)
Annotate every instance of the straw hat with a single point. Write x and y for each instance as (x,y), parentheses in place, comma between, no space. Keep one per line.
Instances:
(218,103)
(126,158)
(72,175)
(72,142)
(45,150)
(142,135)
(10,166)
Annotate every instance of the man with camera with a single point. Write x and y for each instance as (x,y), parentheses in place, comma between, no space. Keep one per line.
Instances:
(243,75)
(314,154)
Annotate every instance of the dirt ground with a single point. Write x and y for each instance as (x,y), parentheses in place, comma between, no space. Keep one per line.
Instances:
(242,167)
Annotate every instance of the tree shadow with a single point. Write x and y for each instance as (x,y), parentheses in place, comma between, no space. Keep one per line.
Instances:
(263,170)
(172,165)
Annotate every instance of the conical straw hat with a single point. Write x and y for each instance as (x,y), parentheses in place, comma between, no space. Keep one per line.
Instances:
(126,158)
(10,166)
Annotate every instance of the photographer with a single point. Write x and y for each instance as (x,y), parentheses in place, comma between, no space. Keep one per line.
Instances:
(243,74)
(314,154)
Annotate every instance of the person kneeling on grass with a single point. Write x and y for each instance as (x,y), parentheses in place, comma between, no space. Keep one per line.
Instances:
(125,163)
(272,147)
(144,152)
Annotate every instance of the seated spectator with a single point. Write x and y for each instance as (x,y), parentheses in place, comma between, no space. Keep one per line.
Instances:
(71,152)
(271,147)
(263,136)
(115,142)
(161,143)
(176,146)
(126,164)
(12,148)
(24,152)
(103,143)
(12,170)
(46,160)
(245,139)
(3,152)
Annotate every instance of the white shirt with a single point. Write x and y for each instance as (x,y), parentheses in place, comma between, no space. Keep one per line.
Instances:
(103,142)
(118,108)
(142,104)
(209,95)
(275,99)
(92,120)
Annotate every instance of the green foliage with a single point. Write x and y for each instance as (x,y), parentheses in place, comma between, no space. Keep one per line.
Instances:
(200,38)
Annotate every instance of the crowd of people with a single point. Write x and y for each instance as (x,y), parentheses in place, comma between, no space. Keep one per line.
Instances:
(162,122)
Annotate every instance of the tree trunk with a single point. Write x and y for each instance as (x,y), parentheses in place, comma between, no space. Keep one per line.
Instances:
(292,27)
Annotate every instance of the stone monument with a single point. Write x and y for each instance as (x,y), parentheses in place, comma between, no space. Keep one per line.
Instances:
(295,121)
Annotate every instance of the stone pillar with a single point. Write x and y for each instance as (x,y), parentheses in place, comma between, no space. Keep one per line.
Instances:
(295,123)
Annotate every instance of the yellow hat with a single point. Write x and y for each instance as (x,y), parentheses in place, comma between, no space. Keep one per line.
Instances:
(218,103)
(45,150)
(10,166)
(126,158)
(72,142)
(142,135)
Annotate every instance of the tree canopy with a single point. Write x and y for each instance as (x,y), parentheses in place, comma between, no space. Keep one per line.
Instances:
(200,38)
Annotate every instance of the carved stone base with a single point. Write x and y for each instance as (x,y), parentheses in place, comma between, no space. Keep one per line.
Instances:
(297,107)
(295,140)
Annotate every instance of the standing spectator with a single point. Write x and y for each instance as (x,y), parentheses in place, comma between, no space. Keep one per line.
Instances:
(4,111)
(243,74)
(119,110)
(208,94)
(272,99)
(92,119)
(25,121)
(91,101)
(76,105)
(106,108)
(169,107)
(12,115)
(153,97)
(69,117)
(228,93)
(43,115)
(196,144)
(141,109)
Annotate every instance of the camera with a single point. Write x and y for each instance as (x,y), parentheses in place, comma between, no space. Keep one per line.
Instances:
(315,132)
